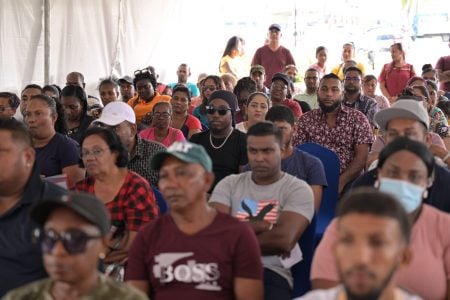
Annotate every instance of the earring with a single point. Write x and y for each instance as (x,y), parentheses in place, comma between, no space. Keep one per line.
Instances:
(101,256)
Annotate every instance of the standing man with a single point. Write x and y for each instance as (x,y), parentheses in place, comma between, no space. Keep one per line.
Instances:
(183,73)
(126,88)
(373,237)
(276,205)
(21,187)
(279,93)
(312,84)
(273,57)
(120,117)
(443,71)
(337,127)
(354,98)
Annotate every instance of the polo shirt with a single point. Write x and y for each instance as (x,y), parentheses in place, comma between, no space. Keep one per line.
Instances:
(141,107)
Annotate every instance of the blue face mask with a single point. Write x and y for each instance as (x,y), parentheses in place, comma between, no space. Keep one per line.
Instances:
(409,195)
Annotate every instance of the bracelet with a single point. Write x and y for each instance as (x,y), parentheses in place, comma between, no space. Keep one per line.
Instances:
(445,158)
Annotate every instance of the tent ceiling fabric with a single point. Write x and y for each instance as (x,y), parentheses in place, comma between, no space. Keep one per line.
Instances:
(105,37)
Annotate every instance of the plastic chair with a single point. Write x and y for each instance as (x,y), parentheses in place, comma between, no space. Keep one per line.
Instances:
(330,195)
(162,204)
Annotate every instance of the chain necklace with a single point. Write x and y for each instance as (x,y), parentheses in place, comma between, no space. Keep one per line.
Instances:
(223,143)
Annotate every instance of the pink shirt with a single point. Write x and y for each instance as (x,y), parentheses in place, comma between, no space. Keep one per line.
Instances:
(429,270)
(173,136)
(396,78)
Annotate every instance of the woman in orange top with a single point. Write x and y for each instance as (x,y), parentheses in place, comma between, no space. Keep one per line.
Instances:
(145,84)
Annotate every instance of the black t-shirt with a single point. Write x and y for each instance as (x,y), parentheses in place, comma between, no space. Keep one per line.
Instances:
(227,159)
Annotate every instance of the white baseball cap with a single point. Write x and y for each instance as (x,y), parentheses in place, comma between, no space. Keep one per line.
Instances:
(115,113)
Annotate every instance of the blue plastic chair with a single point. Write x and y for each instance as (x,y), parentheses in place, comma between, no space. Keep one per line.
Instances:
(330,195)
(162,204)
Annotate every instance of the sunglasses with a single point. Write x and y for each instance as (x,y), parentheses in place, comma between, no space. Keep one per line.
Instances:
(212,88)
(74,241)
(143,71)
(210,110)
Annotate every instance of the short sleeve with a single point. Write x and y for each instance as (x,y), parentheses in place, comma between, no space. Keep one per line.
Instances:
(301,134)
(299,198)
(179,136)
(362,68)
(363,130)
(222,192)
(378,145)
(193,123)
(247,256)
(440,64)
(323,264)
(315,172)
(194,90)
(382,77)
(290,58)
(68,152)
(136,267)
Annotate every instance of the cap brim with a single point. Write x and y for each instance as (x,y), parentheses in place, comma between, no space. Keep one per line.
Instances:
(159,158)
(383,117)
(109,120)
(124,80)
(42,210)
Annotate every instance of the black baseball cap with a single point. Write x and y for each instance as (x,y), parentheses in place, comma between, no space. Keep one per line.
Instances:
(275,26)
(85,205)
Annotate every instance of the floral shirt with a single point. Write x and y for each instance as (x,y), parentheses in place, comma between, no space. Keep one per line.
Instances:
(352,128)
(438,121)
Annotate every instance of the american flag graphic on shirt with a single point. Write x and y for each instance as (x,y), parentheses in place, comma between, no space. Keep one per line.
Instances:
(266,210)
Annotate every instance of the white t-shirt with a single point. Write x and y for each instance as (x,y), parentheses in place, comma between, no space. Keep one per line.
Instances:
(246,198)
(332,294)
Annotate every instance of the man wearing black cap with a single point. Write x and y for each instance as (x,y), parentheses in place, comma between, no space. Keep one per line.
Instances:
(126,88)
(273,57)
(226,146)
(20,187)
(72,234)
(278,93)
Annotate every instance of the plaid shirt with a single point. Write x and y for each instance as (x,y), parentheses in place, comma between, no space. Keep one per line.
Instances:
(135,203)
(139,161)
(351,129)
(365,104)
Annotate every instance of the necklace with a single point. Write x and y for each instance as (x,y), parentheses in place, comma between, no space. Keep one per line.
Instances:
(223,143)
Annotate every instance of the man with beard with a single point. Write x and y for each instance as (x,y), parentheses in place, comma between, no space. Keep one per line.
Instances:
(277,206)
(373,234)
(337,127)
(353,97)
(225,145)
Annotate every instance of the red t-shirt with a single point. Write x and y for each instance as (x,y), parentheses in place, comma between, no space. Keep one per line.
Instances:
(199,266)
(272,61)
(443,64)
(294,106)
(396,78)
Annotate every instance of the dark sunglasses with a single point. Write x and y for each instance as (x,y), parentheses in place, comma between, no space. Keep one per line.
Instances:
(73,240)
(210,110)
(212,88)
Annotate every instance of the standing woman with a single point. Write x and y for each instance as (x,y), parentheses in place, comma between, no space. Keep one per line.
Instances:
(395,75)
(321,56)
(161,131)
(74,103)
(257,107)
(181,118)
(230,62)
(210,84)
(56,154)
(127,196)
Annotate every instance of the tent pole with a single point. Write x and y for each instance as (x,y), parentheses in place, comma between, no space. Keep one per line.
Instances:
(47,41)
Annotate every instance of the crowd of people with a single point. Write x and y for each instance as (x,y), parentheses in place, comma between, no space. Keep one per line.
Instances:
(83,182)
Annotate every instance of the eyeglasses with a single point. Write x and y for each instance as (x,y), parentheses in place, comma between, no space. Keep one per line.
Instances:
(209,87)
(95,152)
(3,109)
(143,71)
(352,79)
(279,87)
(74,241)
(210,110)
(162,115)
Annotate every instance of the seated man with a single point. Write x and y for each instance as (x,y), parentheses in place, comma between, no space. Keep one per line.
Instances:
(373,233)
(279,91)
(72,236)
(278,206)
(193,252)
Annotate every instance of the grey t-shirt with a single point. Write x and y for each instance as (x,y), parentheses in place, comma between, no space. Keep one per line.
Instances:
(246,197)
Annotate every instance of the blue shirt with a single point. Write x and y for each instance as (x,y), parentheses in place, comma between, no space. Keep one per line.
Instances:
(191,86)
(20,258)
